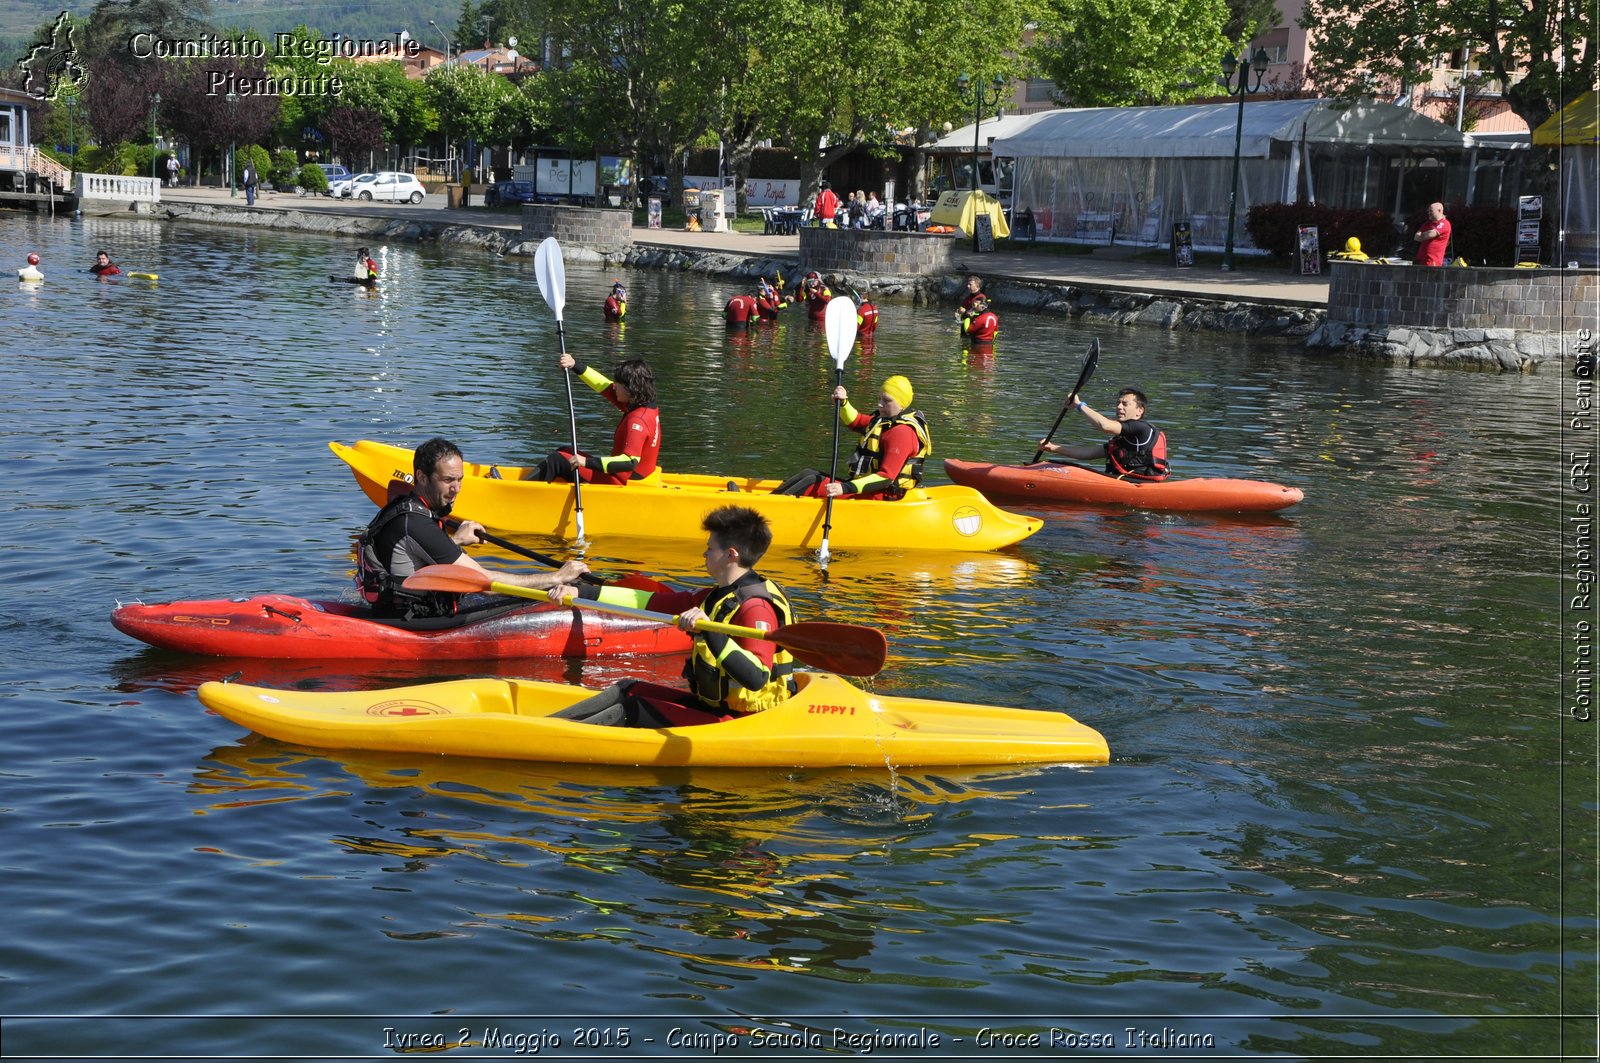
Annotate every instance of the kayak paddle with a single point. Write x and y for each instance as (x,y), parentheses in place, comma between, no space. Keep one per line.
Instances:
(1089,362)
(848,649)
(633,580)
(839,321)
(551,274)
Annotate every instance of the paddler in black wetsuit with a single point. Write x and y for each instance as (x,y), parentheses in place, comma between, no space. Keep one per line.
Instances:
(408,534)
(1137,449)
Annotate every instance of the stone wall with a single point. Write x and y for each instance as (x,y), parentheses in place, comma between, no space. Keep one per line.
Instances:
(585,227)
(1528,300)
(1458,317)
(874,253)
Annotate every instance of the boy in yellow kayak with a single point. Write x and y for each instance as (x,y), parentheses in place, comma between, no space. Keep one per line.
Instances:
(727,676)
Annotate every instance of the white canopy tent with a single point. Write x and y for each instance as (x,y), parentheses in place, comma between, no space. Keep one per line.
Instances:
(1126,174)
(954,152)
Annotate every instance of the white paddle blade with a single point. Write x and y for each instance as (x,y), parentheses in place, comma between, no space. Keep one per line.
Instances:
(551,273)
(840,324)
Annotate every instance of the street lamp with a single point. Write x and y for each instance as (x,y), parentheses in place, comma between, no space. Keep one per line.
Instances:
(446,37)
(981,99)
(233,143)
(1243,89)
(155,105)
(72,122)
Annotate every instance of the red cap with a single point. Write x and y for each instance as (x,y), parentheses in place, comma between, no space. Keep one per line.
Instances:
(33,259)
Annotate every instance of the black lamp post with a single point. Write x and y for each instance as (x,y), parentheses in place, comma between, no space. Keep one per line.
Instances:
(981,99)
(155,105)
(233,143)
(1244,88)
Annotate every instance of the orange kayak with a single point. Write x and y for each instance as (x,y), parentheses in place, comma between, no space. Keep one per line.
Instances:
(1049,481)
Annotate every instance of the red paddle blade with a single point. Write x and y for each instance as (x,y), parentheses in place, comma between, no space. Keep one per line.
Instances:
(849,649)
(452,579)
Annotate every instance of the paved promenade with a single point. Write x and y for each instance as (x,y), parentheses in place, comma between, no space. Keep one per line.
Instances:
(1112,269)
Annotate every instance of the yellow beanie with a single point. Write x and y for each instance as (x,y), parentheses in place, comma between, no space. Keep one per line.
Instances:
(1352,244)
(898,388)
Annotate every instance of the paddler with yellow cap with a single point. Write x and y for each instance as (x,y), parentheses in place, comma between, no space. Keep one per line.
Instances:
(887,462)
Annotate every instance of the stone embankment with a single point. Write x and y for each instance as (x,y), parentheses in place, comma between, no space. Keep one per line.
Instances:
(1481,347)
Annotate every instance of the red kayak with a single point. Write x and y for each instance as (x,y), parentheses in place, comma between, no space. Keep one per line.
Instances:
(278,626)
(1054,482)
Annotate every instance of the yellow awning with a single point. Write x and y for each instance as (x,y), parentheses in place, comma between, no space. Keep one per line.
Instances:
(959,208)
(1576,123)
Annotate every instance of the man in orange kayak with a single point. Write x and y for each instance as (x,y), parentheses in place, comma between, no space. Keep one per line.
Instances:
(409,534)
(1137,450)
(727,676)
(635,444)
(887,462)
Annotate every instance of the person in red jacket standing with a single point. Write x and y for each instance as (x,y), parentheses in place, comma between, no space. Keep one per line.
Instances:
(740,311)
(983,325)
(617,302)
(1433,238)
(770,301)
(826,205)
(866,318)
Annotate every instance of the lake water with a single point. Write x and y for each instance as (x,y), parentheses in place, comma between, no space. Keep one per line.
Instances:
(1343,816)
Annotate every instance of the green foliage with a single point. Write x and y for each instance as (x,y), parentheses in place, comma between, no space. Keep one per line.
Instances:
(1374,47)
(312,179)
(1106,53)
(471,102)
(256,156)
(284,169)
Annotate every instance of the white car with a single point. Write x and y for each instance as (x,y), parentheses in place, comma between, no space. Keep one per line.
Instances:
(386,185)
(341,189)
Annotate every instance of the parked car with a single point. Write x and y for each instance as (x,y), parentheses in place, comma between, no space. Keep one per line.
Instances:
(334,173)
(342,189)
(658,186)
(505,193)
(391,186)
(387,185)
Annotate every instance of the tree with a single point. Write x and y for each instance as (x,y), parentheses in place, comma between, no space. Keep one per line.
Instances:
(194,108)
(353,131)
(1106,53)
(118,99)
(113,24)
(1377,47)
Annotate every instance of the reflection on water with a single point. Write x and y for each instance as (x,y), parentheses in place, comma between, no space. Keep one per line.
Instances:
(1332,791)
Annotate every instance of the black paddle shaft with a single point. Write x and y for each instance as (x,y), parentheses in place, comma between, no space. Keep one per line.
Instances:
(1089,363)
(532,555)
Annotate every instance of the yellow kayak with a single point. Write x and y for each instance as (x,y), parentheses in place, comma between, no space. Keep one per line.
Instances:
(671,506)
(830,723)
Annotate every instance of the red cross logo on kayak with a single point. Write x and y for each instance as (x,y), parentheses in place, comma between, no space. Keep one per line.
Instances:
(406,708)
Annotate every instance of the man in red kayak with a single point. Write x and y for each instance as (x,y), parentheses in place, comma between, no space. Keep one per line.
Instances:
(727,676)
(635,444)
(887,462)
(409,534)
(1137,450)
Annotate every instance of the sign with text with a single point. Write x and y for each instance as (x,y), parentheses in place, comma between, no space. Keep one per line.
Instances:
(1530,211)
(985,232)
(1182,244)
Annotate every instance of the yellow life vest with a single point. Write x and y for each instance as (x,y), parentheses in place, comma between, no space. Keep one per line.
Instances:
(868,454)
(705,669)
